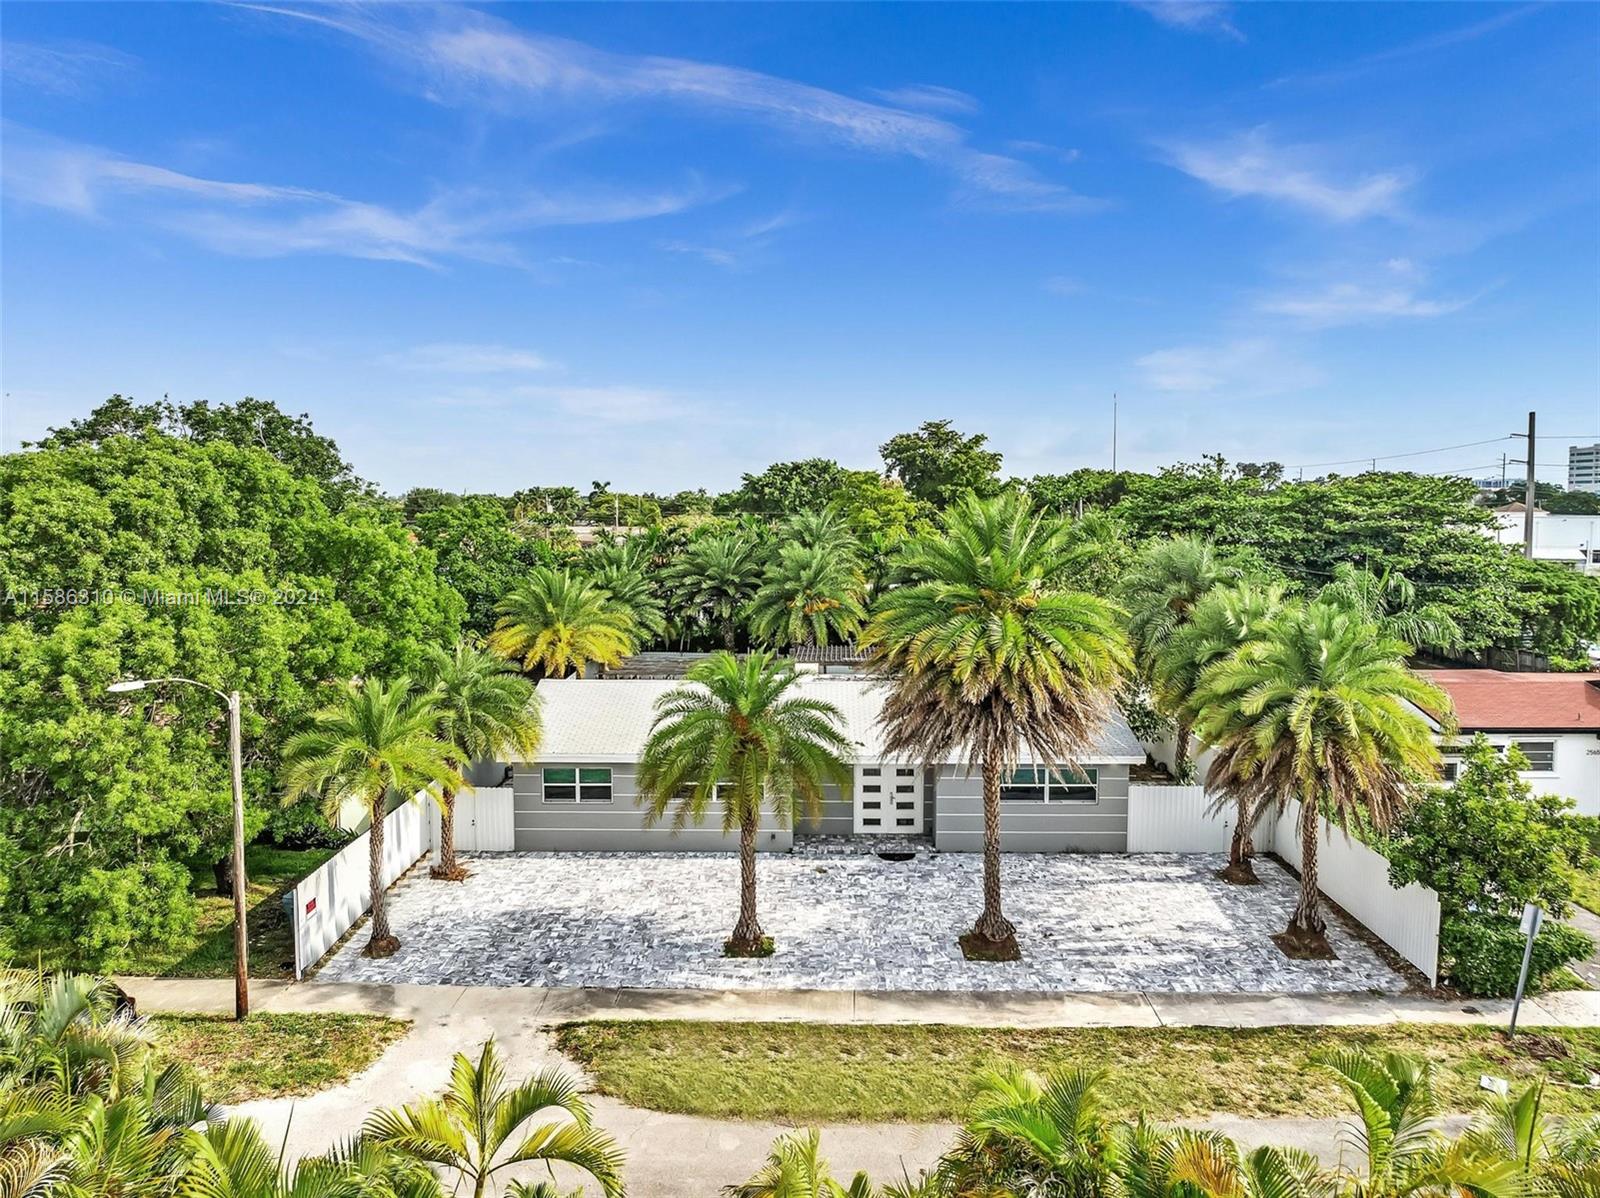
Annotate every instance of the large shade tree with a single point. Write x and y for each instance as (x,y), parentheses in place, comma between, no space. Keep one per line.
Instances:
(485,709)
(555,623)
(739,735)
(1160,592)
(379,738)
(1323,710)
(986,659)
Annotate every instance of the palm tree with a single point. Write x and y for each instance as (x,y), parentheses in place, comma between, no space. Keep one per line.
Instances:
(632,592)
(1166,582)
(378,738)
(1323,710)
(485,708)
(825,529)
(811,594)
(1389,599)
(1226,617)
(1032,1135)
(714,578)
(481,1125)
(984,657)
(738,734)
(555,623)
(795,1169)
(1561,1157)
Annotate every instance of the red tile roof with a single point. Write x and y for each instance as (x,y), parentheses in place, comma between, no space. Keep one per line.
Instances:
(1493,701)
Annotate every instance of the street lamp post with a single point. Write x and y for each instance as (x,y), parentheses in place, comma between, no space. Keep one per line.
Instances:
(241,949)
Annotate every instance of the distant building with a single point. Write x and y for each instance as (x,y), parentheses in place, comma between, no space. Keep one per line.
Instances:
(1583,468)
(1573,541)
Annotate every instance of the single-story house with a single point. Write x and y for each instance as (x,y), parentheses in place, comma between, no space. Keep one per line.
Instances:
(578,792)
(1553,718)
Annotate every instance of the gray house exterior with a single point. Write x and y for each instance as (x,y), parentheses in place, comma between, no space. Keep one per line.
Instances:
(580,793)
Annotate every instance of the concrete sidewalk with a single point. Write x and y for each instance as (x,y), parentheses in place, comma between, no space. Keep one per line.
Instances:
(547,1007)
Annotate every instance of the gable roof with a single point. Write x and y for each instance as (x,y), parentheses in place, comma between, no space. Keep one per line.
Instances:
(1497,701)
(608,719)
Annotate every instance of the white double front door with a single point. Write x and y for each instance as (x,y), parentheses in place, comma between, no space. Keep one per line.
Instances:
(888,799)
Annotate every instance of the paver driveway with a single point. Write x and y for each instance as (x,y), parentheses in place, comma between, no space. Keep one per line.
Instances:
(1086,923)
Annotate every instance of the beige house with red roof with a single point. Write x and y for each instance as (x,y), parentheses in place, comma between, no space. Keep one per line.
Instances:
(1553,718)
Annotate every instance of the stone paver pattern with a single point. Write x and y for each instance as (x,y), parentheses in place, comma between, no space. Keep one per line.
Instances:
(1087,923)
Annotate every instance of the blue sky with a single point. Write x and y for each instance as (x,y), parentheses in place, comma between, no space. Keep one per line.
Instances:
(496,247)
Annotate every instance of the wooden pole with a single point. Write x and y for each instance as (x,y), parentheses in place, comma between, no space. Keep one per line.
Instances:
(241,939)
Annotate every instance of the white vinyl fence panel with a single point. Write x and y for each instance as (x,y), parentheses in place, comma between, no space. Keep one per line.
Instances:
(485,820)
(1176,819)
(1357,878)
(326,903)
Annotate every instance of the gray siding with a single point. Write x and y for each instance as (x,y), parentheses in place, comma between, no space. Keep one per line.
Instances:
(617,826)
(1098,827)
(838,816)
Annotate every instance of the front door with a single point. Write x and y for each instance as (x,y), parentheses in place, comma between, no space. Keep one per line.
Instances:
(888,800)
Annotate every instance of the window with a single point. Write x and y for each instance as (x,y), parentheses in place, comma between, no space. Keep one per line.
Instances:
(1035,784)
(1541,755)
(566,784)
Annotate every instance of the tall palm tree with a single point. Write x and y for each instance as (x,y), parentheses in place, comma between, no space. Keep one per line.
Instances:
(485,708)
(714,578)
(555,623)
(481,1125)
(377,738)
(1167,579)
(1226,617)
(825,529)
(1389,599)
(810,594)
(631,591)
(984,658)
(738,734)
(1323,710)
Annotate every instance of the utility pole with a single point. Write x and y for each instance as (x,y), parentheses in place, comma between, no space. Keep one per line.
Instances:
(1113,432)
(1530,487)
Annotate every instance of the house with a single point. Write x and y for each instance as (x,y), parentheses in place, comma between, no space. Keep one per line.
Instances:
(578,792)
(1571,541)
(1553,718)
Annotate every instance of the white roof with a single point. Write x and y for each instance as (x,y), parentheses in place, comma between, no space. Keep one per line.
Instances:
(608,719)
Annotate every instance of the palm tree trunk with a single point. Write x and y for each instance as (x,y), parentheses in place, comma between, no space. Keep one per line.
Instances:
(1307,918)
(746,938)
(992,924)
(1180,752)
(382,942)
(730,634)
(1241,847)
(448,869)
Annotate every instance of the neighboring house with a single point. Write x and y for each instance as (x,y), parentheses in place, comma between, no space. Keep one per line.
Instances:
(579,792)
(1571,541)
(1553,718)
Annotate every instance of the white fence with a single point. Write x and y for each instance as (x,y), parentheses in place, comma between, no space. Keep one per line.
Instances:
(1357,878)
(485,820)
(1176,819)
(327,902)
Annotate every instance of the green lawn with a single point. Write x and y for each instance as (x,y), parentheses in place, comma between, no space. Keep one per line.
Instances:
(1586,888)
(209,952)
(268,1056)
(809,1072)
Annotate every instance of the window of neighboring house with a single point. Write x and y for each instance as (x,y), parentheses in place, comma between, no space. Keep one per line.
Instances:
(1036,784)
(567,784)
(1541,755)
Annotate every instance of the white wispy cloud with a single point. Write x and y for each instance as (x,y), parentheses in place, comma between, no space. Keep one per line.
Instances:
(271,220)
(929,97)
(1063,285)
(1358,303)
(1059,153)
(466,56)
(737,248)
(464,358)
(1193,16)
(618,404)
(1254,165)
(1245,368)
(62,68)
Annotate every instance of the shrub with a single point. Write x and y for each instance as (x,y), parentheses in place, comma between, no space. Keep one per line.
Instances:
(303,826)
(1483,954)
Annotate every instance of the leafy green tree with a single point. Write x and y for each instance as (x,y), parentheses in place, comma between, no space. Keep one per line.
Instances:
(1207,499)
(713,580)
(1485,843)
(1573,503)
(784,488)
(1556,610)
(1098,555)
(810,596)
(937,464)
(875,507)
(985,659)
(737,734)
(485,709)
(1082,491)
(1226,618)
(482,1125)
(479,551)
(555,623)
(1322,710)
(1160,593)
(378,739)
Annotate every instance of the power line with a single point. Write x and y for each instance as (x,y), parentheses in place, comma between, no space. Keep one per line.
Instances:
(1385,457)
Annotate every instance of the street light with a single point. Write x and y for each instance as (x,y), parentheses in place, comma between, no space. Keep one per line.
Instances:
(241,952)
